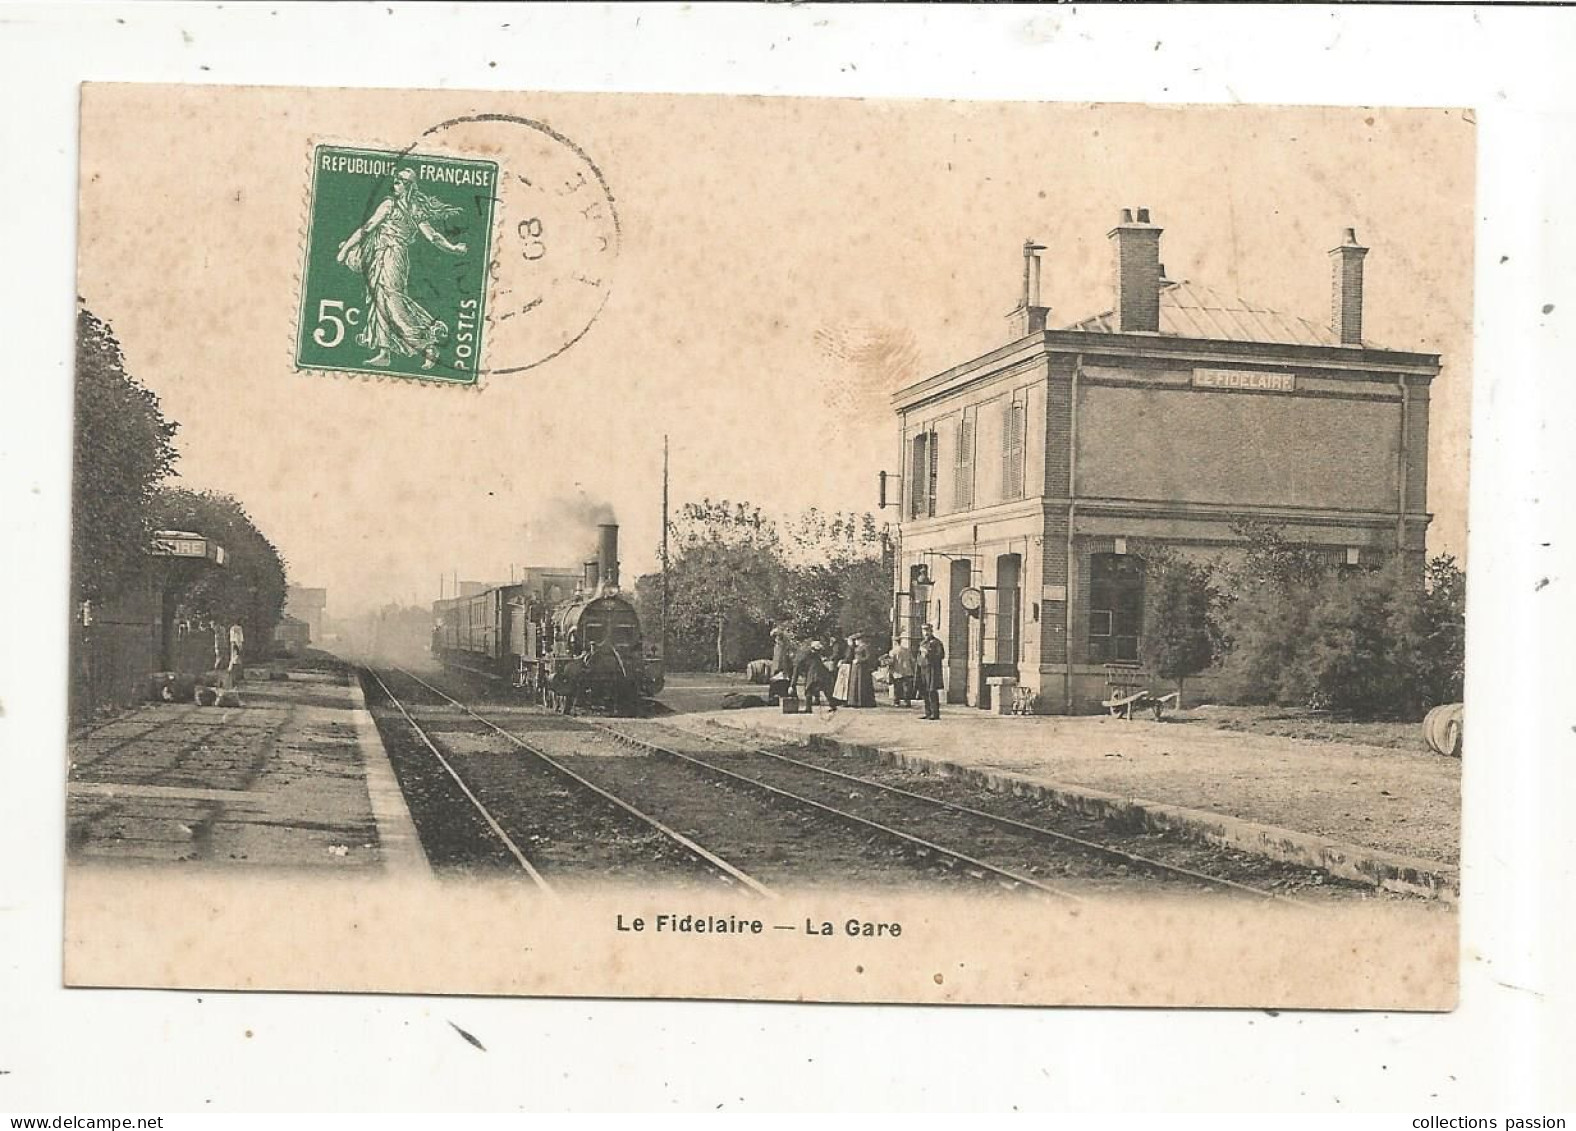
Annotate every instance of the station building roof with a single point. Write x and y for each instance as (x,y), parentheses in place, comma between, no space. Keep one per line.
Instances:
(1192,310)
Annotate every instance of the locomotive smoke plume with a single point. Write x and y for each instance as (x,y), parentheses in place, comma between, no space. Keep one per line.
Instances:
(564,531)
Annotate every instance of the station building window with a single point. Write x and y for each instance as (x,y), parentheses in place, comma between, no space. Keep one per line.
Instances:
(1116,608)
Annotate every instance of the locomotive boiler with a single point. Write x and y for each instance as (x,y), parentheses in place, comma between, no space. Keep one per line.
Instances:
(559,637)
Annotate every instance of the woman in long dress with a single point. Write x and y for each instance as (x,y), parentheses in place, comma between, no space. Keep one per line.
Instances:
(379,251)
(861,677)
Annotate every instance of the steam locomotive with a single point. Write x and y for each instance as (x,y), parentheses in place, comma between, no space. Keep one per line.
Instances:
(555,635)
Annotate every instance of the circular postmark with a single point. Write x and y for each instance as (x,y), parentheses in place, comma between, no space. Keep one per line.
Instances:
(556,238)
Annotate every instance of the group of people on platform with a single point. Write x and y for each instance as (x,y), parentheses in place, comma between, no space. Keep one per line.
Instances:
(842,671)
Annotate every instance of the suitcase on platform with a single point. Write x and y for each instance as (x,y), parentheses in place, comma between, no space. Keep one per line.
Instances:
(790,704)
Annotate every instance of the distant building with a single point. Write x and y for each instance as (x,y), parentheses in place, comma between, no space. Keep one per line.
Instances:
(304,604)
(1034,475)
(292,635)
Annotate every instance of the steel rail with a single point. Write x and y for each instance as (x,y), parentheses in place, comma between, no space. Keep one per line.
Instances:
(1105,850)
(492,823)
(930,847)
(711,859)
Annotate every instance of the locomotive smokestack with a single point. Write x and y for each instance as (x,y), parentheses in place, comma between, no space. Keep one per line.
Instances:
(591,577)
(607,553)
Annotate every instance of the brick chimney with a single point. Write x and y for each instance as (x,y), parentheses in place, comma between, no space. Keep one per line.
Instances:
(1137,245)
(1029,317)
(1346,292)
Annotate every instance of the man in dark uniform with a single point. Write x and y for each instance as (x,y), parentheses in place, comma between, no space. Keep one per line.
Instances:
(570,683)
(928,673)
(817,681)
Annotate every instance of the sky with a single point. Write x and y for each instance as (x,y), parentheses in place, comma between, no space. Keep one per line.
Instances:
(783,266)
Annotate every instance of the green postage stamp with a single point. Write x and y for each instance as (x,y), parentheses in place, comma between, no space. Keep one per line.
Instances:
(396,272)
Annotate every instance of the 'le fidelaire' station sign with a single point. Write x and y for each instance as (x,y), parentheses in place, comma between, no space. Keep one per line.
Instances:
(1252,379)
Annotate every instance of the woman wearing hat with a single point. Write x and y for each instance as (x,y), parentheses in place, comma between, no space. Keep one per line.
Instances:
(861,674)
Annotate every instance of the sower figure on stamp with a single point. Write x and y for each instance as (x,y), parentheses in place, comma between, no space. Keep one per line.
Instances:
(380,251)
(928,673)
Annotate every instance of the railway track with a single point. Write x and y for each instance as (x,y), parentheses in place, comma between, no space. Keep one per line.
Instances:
(524,797)
(795,839)
(939,837)
(922,847)
(1018,850)
(807,783)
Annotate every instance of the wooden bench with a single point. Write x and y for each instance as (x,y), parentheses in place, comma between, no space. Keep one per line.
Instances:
(1128,686)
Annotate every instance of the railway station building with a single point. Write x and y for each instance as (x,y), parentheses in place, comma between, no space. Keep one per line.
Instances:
(1035,476)
(120,641)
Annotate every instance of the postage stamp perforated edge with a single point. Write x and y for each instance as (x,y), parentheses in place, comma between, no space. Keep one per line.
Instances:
(313,144)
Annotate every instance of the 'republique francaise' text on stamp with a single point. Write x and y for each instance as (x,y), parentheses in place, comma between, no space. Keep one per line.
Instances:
(397,249)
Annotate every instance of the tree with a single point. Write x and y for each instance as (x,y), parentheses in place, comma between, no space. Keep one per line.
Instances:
(250,588)
(1183,634)
(1271,594)
(123,449)
(1272,560)
(725,569)
(1370,643)
(1359,654)
(1443,630)
(839,580)
(734,574)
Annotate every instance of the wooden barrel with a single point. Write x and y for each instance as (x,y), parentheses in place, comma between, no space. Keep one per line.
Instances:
(1430,725)
(1442,729)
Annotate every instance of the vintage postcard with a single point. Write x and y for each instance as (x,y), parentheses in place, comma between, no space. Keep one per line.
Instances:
(783,549)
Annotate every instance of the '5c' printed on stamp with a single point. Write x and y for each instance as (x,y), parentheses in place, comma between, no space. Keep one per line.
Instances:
(397,254)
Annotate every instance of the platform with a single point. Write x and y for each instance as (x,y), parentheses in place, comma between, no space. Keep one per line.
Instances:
(295,777)
(1366,812)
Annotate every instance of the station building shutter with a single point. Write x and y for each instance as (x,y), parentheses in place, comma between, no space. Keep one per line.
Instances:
(922,476)
(1013,420)
(930,486)
(963,464)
